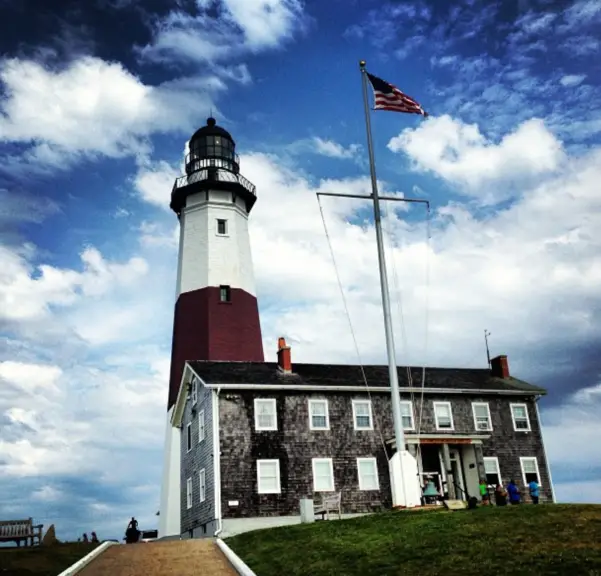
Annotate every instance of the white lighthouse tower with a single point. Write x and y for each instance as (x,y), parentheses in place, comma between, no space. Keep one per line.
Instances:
(216,312)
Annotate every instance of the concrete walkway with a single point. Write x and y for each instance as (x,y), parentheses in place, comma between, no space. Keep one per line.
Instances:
(179,558)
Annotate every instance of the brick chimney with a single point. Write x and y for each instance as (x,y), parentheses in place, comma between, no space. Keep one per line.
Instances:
(284,356)
(499,367)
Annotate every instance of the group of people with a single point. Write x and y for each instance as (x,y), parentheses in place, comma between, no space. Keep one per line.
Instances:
(93,537)
(511,494)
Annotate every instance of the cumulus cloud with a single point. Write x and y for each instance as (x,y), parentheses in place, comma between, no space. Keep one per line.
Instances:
(233,28)
(572,79)
(154,181)
(491,171)
(326,147)
(334,149)
(25,294)
(92,107)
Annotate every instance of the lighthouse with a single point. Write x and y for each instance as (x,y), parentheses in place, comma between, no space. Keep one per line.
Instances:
(216,312)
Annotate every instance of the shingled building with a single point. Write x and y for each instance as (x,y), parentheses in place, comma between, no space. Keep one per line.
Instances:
(257,437)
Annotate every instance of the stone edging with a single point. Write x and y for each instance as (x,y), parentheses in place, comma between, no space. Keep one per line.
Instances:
(235,560)
(75,568)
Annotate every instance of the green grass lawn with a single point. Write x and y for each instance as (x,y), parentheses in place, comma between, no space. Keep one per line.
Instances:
(41,560)
(522,540)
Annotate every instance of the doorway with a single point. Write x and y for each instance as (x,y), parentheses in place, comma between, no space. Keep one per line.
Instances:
(457,470)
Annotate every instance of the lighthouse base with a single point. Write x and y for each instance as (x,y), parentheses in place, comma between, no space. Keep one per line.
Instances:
(170,510)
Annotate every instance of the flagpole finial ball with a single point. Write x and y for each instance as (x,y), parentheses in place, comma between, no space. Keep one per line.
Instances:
(362,63)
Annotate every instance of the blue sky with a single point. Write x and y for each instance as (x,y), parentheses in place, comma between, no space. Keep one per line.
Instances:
(96,105)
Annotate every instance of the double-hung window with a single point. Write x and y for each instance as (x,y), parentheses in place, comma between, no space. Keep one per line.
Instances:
(318,415)
(265,414)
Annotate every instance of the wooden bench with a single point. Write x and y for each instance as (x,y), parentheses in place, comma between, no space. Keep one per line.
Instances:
(330,502)
(18,531)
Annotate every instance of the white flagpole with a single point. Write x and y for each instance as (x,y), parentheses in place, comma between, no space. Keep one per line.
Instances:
(399,433)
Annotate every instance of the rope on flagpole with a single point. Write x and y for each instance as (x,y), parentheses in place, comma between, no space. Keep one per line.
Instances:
(350,322)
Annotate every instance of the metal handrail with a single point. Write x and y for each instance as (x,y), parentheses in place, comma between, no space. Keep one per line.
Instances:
(218,174)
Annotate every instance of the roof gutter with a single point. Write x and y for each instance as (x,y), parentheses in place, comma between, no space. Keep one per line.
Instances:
(355,388)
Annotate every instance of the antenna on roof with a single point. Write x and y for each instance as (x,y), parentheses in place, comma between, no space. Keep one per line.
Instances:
(486,335)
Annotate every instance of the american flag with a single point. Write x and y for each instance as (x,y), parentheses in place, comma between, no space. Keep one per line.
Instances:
(389,97)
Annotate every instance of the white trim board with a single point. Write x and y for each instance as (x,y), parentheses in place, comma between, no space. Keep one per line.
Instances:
(75,568)
(233,558)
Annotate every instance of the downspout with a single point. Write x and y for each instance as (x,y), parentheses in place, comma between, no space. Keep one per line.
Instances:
(547,464)
(217,462)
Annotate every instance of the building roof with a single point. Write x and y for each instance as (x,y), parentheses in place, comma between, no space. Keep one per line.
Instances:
(339,375)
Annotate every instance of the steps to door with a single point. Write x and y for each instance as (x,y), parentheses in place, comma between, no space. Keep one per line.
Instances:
(177,558)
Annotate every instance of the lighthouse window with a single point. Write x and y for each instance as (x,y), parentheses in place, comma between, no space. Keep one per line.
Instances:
(222,227)
(225,294)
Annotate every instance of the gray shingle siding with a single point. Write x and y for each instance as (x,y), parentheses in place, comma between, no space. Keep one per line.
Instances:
(294,444)
(202,514)
(508,445)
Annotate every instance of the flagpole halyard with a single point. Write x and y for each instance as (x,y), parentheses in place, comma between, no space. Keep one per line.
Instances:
(399,433)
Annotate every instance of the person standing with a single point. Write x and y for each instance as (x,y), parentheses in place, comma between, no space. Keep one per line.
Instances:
(514,492)
(500,495)
(484,495)
(534,488)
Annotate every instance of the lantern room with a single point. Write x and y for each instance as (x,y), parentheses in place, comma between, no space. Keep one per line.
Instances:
(212,147)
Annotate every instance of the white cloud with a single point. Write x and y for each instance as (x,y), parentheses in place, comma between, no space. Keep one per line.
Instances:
(26,295)
(94,107)
(30,377)
(244,26)
(265,23)
(155,182)
(334,149)
(462,155)
(572,79)
(326,147)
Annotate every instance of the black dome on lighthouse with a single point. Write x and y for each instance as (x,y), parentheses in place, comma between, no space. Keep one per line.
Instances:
(211,129)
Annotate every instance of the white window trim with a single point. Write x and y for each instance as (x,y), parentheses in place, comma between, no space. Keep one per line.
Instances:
(189,431)
(202,431)
(450,414)
(375,463)
(522,458)
(489,428)
(189,493)
(499,480)
(227,228)
(371,416)
(202,484)
(194,391)
(410,403)
(278,490)
(275,414)
(322,401)
(329,461)
(515,428)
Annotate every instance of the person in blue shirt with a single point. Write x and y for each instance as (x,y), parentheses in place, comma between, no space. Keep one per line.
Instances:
(534,491)
(514,492)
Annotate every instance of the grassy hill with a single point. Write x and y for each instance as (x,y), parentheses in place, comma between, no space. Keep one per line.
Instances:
(41,560)
(522,540)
